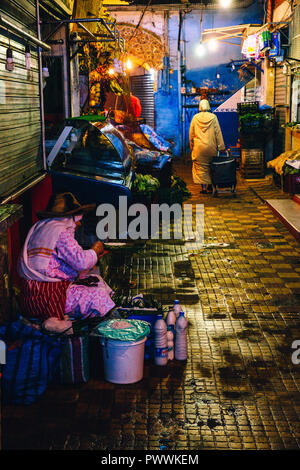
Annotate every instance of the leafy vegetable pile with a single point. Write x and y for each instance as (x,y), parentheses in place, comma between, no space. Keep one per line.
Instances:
(145,186)
(250,120)
(289,170)
(177,193)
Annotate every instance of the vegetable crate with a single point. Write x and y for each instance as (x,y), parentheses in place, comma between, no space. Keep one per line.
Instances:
(252,141)
(252,164)
(249,126)
(248,107)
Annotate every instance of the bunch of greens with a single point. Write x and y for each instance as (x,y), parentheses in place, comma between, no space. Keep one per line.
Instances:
(177,193)
(145,186)
(292,125)
(289,170)
(250,119)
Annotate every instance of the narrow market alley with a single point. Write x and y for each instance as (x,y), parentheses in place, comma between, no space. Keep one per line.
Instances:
(239,388)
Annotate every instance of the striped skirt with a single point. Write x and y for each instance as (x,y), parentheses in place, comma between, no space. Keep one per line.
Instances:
(43,300)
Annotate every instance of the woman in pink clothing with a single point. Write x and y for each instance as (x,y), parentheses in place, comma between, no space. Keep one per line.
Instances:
(54,268)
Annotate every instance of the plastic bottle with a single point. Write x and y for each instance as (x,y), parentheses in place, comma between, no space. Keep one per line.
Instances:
(160,341)
(181,338)
(171,320)
(170,339)
(177,308)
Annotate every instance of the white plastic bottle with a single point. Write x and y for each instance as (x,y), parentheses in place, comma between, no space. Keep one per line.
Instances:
(170,339)
(177,308)
(171,320)
(160,341)
(181,338)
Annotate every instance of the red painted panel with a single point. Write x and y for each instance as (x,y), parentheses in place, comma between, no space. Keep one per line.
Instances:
(40,195)
(14,246)
(38,199)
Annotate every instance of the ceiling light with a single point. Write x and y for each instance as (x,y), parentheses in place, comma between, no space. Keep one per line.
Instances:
(200,50)
(225,3)
(129,64)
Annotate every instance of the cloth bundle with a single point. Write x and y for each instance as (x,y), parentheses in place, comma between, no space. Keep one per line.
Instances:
(278,163)
(31,362)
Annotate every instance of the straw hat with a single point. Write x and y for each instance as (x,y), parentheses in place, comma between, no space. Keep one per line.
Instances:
(64,205)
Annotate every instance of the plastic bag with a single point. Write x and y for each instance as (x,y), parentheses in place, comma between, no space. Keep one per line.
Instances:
(123,330)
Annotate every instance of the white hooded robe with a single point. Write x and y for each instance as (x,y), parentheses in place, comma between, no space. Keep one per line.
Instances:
(206,139)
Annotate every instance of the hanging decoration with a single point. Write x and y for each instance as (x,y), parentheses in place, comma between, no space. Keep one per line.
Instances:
(250,47)
(265,44)
(265,41)
(276,51)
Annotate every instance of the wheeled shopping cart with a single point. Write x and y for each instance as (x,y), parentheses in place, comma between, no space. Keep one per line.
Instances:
(223,173)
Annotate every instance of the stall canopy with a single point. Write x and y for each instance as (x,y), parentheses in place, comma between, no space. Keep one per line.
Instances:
(229,32)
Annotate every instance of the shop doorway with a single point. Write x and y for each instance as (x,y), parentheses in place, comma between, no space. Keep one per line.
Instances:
(53,94)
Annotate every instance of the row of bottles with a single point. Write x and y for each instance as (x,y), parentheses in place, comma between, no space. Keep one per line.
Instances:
(171,336)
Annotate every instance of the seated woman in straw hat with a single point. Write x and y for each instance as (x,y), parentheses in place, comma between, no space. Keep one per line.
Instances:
(52,265)
(206,139)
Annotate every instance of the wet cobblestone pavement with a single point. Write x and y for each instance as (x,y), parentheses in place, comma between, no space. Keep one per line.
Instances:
(239,388)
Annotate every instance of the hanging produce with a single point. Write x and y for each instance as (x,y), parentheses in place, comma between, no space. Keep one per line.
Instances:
(98,60)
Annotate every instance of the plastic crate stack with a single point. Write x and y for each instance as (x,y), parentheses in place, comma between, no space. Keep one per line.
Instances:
(252,139)
(248,107)
(252,164)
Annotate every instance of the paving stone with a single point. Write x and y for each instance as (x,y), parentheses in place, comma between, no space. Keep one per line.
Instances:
(239,388)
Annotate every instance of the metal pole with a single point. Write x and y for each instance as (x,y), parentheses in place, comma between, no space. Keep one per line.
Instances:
(24,189)
(23,34)
(41,87)
(184,143)
(68,101)
(179,80)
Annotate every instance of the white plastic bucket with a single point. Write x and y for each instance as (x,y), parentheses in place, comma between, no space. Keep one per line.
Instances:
(123,360)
